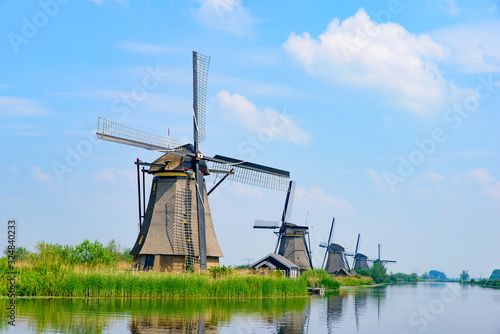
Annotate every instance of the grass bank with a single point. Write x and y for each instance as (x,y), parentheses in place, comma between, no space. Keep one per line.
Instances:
(489,283)
(104,282)
(92,270)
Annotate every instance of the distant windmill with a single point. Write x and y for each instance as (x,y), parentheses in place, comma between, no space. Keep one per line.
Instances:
(382,261)
(177,231)
(360,260)
(334,255)
(292,243)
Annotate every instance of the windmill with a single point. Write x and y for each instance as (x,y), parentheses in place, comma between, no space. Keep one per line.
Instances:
(176,230)
(360,260)
(292,242)
(334,255)
(382,261)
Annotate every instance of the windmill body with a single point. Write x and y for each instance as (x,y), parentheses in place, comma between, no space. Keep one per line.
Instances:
(169,236)
(293,245)
(292,239)
(335,261)
(334,256)
(361,261)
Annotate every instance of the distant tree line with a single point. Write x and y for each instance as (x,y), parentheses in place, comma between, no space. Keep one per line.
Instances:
(89,253)
(378,273)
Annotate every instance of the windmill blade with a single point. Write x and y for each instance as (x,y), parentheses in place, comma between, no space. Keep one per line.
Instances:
(200,75)
(379,251)
(308,249)
(329,240)
(250,173)
(357,245)
(330,236)
(114,132)
(287,210)
(323,244)
(266,224)
(346,262)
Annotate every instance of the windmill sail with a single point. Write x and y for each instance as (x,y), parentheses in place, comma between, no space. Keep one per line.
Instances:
(250,173)
(118,133)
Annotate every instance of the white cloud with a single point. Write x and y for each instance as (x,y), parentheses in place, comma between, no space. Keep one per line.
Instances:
(450,7)
(316,198)
(246,191)
(433,176)
(376,178)
(107,174)
(360,52)
(21,107)
(481,175)
(145,48)
(267,122)
(37,173)
(228,15)
(476,47)
(490,186)
(111,174)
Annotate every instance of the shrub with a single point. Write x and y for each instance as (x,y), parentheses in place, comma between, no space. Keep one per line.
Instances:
(218,272)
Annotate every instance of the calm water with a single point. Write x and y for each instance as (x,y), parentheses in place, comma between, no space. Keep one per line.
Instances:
(420,308)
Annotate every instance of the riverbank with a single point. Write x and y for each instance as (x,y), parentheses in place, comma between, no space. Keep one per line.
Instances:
(96,281)
(487,283)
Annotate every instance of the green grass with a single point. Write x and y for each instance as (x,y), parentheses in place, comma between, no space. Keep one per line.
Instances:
(107,282)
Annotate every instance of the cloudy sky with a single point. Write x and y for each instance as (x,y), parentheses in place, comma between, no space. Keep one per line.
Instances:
(384,112)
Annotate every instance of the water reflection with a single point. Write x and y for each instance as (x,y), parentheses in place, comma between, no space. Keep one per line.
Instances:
(371,310)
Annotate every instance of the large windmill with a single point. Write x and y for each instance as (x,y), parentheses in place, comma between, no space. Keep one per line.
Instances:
(177,231)
(360,260)
(334,255)
(292,242)
(382,261)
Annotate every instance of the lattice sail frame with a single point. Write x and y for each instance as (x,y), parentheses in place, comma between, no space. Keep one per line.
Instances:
(202,65)
(112,131)
(251,177)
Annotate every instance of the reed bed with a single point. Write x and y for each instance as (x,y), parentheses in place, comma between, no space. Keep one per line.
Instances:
(106,282)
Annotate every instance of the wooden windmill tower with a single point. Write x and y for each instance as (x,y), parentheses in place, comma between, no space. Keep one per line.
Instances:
(360,260)
(292,242)
(334,255)
(177,231)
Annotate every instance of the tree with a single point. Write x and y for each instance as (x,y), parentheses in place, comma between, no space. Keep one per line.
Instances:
(495,274)
(435,274)
(425,275)
(20,254)
(378,272)
(464,275)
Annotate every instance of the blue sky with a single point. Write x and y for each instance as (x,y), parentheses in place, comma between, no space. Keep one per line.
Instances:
(385,113)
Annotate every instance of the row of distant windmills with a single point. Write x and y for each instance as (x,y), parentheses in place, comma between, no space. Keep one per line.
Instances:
(176,230)
(294,244)
(337,259)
